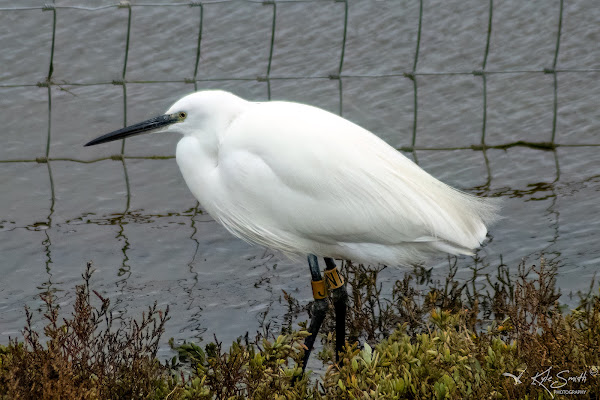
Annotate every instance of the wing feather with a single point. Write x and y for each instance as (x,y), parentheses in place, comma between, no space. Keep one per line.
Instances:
(324,180)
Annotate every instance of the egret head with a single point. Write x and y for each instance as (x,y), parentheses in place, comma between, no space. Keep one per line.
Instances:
(200,113)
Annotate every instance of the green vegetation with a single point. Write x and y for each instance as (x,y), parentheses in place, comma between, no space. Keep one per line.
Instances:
(447,341)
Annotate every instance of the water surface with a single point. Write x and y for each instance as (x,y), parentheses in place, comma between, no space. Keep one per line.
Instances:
(128,210)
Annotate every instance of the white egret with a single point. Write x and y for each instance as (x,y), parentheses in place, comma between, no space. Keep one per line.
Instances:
(301,180)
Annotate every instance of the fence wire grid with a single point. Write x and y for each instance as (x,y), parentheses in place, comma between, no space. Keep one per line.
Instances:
(414,76)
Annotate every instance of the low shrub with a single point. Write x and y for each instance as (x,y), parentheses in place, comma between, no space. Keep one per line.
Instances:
(444,341)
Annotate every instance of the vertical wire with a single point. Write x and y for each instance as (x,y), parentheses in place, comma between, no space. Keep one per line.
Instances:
(49,133)
(555,104)
(199,47)
(123,77)
(344,37)
(341,65)
(123,74)
(47,242)
(552,209)
(413,77)
(484,119)
(127,42)
(47,151)
(560,18)
(488,182)
(125,268)
(489,34)
(483,74)
(273,24)
(48,80)
(51,66)
(414,68)
(197,205)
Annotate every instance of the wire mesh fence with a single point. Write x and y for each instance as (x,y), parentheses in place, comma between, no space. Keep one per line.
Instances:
(196,79)
(482,81)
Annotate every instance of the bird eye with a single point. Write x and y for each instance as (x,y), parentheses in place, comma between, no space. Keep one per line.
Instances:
(182,114)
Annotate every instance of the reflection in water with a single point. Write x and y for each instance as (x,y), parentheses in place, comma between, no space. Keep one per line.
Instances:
(125,269)
(552,211)
(193,301)
(47,242)
(48,286)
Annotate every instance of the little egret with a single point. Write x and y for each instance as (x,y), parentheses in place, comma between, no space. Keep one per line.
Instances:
(301,180)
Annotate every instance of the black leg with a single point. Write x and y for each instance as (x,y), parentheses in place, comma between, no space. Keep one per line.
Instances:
(319,307)
(339,295)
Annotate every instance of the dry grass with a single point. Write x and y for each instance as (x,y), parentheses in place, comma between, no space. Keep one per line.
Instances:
(85,356)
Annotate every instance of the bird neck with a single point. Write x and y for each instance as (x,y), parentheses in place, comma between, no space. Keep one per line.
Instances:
(197,161)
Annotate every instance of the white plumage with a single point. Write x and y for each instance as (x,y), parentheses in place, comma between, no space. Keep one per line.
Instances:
(305,181)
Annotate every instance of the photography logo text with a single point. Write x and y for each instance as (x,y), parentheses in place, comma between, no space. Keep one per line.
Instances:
(555,380)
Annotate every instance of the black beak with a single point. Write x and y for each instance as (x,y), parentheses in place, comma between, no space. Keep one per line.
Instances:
(137,129)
